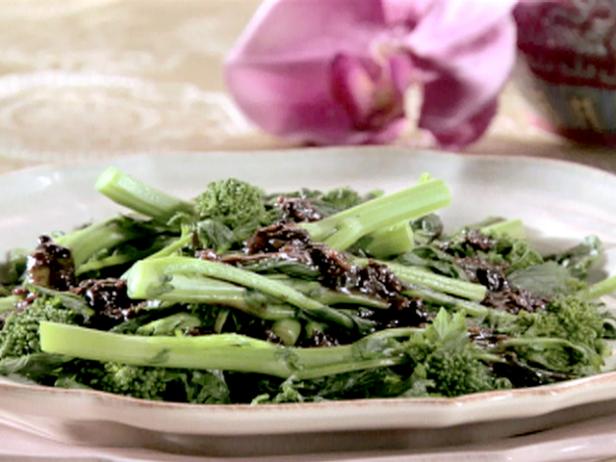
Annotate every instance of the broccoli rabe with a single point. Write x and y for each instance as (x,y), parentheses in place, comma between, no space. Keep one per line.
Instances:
(383,382)
(567,337)
(158,384)
(458,373)
(440,361)
(447,360)
(226,213)
(238,296)
(570,318)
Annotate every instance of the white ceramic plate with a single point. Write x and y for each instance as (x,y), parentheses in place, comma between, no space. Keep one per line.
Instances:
(555,199)
(592,441)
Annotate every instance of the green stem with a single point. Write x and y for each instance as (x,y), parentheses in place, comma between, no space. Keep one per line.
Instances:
(86,242)
(142,274)
(110,261)
(511,228)
(170,325)
(168,250)
(471,308)
(287,330)
(599,289)
(173,247)
(541,343)
(221,319)
(490,358)
(8,303)
(197,289)
(138,196)
(326,296)
(341,368)
(420,277)
(344,228)
(218,351)
(391,241)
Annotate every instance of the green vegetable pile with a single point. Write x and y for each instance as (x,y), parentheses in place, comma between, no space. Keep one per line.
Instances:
(239,296)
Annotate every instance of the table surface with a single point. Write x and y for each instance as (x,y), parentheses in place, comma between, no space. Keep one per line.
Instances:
(89,79)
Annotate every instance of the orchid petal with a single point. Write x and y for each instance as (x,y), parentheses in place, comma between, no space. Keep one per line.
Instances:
(335,71)
(468,46)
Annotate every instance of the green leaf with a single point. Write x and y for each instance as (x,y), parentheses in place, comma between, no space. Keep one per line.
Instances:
(35,366)
(433,259)
(545,280)
(579,259)
(215,235)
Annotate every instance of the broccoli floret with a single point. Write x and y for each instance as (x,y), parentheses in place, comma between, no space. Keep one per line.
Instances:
(565,338)
(234,203)
(456,373)
(20,333)
(570,318)
(449,364)
(139,382)
(159,384)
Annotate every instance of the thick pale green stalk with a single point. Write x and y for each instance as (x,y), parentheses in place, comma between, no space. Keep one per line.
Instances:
(138,196)
(142,274)
(198,289)
(344,228)
(391,241)
(219,351)
(86,242)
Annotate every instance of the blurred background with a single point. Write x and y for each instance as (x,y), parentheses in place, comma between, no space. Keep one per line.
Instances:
(89,79)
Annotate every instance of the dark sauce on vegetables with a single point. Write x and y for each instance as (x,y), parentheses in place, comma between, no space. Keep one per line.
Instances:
(50,265)
(109,300)
(297,209)
(336,272)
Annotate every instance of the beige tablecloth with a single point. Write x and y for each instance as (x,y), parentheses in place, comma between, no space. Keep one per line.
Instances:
(83,79)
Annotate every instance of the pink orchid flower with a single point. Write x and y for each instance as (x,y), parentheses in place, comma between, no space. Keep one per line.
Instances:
(336,71)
